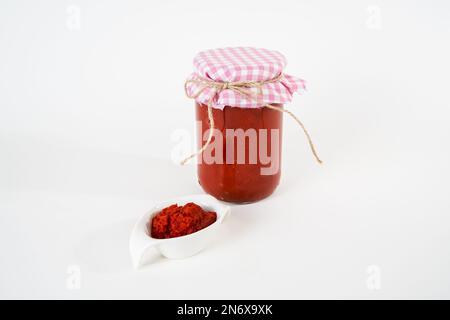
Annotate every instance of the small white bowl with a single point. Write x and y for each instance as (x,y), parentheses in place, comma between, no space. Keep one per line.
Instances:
(179,247)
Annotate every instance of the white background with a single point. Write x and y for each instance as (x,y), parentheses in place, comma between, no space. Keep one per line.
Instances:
(87,111)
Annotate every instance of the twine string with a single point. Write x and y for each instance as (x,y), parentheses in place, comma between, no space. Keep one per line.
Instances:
(208,141)
(308,137)
(242,88)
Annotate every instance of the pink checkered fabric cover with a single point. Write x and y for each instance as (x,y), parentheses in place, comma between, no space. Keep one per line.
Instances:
(243,64)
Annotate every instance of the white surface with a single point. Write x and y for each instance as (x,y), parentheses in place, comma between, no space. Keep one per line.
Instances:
(87,114)
(180,247)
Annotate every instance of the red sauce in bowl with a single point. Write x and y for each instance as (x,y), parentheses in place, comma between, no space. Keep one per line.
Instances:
(176,221)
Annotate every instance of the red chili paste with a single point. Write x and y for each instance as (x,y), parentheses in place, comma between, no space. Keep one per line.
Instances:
(176,221)
(238,183)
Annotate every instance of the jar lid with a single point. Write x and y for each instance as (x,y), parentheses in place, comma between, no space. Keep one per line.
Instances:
(261,67)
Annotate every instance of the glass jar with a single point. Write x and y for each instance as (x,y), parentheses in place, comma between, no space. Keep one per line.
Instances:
(225,176)
(239,94)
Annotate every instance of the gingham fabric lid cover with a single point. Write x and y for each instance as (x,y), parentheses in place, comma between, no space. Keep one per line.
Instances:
(243,64)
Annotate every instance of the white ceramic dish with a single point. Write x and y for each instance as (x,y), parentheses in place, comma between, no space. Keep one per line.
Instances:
(180,247)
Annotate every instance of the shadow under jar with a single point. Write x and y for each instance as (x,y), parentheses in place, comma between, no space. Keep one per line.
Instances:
(250,134)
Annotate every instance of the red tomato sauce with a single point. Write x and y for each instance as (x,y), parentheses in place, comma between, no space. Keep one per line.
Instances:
(239,183)
(176,221)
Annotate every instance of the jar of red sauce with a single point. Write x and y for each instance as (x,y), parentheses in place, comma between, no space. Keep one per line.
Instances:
(240,182)
(239,93)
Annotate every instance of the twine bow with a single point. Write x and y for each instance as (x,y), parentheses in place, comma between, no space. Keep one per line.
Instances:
(243,88)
